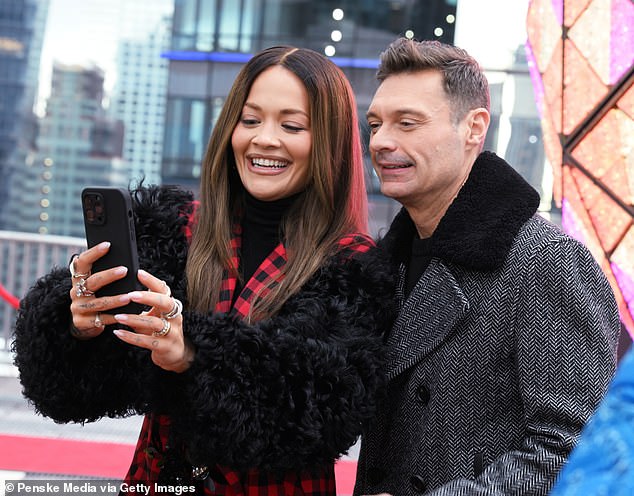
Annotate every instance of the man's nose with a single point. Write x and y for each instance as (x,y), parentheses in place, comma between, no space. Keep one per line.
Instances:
(381,140)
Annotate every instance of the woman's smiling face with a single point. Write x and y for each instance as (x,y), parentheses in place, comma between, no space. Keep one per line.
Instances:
(272,140)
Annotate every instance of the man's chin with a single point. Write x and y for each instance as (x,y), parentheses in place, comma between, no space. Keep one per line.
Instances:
(393,191)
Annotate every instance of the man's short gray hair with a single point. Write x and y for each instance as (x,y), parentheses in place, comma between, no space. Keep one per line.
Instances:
(464,82)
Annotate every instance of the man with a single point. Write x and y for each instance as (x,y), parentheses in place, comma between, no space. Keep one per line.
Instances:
(507,329)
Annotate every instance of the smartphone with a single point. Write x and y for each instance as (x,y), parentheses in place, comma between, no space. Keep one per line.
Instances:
(108,217)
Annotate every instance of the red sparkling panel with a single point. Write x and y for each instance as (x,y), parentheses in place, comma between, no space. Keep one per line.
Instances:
(570,94)
(543,31)
(590,34)
(582,88)
(610,222)
(573,9)
(604,151)
(626,102)
(619,180)
(552,79)
(588,193)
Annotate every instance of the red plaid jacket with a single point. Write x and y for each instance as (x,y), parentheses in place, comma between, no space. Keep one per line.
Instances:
(149,458)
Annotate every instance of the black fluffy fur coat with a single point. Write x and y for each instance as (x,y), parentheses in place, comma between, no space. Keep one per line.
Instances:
(288,392)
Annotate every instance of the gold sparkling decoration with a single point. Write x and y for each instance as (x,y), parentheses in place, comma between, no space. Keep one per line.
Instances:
(581,61)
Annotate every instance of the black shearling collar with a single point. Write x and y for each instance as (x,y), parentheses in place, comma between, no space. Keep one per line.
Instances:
(479,227)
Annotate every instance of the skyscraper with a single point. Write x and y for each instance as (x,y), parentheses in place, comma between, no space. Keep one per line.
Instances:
(77,146)
(22,24)
(139,99)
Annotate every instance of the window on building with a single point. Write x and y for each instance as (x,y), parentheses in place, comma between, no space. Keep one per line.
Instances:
(187,129)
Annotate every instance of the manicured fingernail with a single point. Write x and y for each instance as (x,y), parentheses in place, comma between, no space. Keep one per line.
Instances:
(120,270)
(143,273)
(124,298)
(121,317)
(134,294)
(104,245)
(117,333)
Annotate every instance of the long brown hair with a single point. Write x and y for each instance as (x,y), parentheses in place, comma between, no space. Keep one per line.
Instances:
(334,202)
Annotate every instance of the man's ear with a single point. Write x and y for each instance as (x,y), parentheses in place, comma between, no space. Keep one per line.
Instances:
(478,124)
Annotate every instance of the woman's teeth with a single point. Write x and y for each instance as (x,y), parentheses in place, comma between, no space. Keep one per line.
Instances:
(268,163)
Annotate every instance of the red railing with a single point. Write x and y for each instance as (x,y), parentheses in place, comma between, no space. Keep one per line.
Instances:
(8,297)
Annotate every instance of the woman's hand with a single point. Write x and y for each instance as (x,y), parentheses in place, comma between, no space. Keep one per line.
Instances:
(160,329)
(85,307)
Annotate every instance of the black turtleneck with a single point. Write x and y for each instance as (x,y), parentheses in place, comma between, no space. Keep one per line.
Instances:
(418,262)
(261,231)
(479,227)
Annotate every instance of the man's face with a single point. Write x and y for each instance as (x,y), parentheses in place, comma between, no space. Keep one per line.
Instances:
(418,151)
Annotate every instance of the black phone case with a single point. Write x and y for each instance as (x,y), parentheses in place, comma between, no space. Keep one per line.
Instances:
(111,219)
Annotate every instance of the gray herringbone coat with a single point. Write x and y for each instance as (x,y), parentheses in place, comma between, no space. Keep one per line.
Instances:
(500,353)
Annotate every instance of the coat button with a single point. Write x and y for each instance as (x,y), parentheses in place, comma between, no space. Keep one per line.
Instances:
(418,483)
(423,395)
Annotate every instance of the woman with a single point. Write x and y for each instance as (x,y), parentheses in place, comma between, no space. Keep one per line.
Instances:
(272,368)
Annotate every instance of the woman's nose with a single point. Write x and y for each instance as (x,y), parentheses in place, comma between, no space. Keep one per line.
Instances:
(266,136)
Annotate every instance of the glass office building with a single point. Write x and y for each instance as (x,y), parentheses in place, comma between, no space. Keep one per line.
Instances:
(247,26)
(22,25)
(212,39)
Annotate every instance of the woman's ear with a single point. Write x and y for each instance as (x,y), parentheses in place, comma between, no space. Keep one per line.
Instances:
(478,124)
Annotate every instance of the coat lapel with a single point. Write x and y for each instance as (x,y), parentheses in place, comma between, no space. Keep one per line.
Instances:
(426,317)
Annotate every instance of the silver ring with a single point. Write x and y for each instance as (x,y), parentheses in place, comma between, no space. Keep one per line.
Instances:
(98,322)
(71,267)
(81,289)
(175,311)
(164,331)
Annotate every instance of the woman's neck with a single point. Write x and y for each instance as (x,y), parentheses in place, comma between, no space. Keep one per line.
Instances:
(267,214)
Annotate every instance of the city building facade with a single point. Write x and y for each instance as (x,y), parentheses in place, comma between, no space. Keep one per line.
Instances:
(212,39)
(139,93)
(22,24)
(77,146)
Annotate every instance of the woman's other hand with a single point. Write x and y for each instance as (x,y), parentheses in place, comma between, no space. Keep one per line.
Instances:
(160,329)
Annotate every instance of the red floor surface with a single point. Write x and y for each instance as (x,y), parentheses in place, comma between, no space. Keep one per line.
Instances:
(64,456)
(87,458)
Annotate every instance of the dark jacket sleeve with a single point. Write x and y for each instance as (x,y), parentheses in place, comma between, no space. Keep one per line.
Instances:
(294,390)
(65,378)
(72,380)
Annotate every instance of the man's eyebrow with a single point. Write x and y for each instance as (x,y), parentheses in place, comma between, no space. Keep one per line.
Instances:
(399,112)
